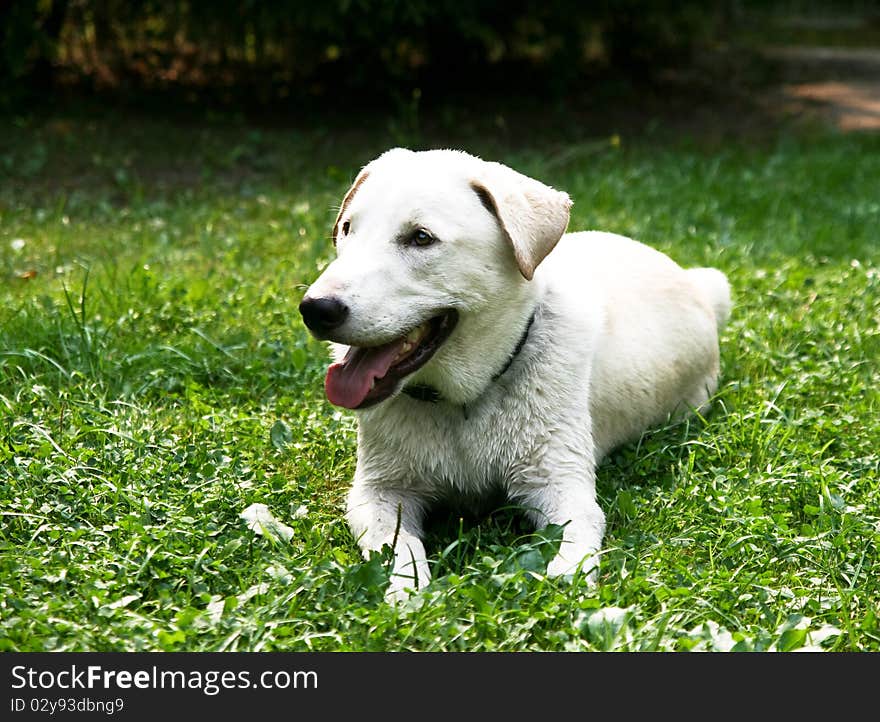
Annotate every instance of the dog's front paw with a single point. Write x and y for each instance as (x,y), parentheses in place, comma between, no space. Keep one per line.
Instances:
(563,566)
(401,587)
(398,592)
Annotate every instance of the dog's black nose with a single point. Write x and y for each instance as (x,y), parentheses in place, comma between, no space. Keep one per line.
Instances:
(322,315)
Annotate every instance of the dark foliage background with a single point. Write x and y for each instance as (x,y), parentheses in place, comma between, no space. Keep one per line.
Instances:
(333,49)
(332,53)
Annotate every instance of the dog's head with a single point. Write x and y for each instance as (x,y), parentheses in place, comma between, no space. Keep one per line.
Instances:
(424,240)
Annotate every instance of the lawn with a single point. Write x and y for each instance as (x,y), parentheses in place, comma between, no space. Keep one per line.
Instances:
(156,382)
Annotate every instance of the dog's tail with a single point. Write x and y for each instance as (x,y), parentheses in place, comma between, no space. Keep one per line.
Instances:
(715,288)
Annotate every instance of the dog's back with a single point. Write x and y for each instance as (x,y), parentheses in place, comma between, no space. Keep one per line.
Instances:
(655,352)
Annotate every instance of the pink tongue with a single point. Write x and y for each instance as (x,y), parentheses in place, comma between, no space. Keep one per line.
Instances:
(348,383)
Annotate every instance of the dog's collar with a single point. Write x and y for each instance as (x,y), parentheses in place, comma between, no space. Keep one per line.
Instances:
(425,392)
(517,349)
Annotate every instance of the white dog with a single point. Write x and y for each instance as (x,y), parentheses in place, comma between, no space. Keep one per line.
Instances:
(482,347)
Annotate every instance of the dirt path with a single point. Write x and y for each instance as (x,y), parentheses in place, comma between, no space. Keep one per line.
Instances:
(840,84)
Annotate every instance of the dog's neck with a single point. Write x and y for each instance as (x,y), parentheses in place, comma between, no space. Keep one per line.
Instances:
(429,394)
(519,347)
(482,344)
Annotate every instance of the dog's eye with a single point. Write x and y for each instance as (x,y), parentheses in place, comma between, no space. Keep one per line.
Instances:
(421,237)
(346,227)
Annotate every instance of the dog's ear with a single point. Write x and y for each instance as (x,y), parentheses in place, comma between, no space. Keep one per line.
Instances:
(533,216)
(362,176)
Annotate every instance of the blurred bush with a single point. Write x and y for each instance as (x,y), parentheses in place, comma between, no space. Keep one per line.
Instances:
(339,50)
(333,47)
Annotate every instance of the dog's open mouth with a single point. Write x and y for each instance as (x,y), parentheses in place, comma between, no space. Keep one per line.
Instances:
(368,375)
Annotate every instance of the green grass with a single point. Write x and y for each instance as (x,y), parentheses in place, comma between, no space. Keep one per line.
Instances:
(155,381)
